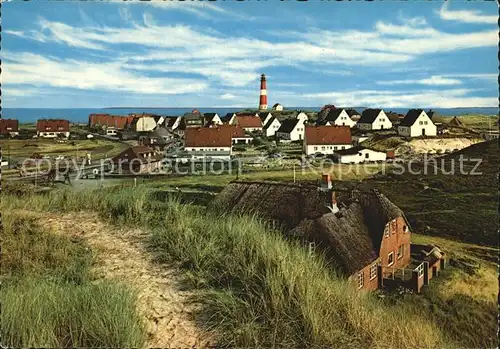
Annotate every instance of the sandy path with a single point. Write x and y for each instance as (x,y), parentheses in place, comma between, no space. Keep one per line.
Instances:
(121,255)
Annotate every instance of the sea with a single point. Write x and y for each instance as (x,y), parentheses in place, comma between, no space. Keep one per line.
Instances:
(80,115)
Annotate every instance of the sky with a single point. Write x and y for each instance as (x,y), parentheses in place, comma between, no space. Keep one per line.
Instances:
(211,54)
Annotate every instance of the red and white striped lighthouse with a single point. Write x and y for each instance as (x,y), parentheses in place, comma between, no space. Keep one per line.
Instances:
(263,93)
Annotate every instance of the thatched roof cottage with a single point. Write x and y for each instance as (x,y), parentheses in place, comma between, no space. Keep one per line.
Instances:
(359,231)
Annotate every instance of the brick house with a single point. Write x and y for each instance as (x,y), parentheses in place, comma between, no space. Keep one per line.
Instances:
(52,128)
(363,234)
(9,127)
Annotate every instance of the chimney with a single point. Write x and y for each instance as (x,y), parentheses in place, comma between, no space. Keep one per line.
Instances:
(263,93)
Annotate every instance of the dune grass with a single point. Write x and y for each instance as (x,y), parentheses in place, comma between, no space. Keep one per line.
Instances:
(48,297)
(259,290)
(45,314)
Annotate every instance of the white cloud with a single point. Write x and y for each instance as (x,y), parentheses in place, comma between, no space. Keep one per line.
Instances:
(466,16)
(492,77)
(148,20)
(32,69)
(125,13)
(202,9)
(19,33)
(227,96)
(450,98)
(434,80)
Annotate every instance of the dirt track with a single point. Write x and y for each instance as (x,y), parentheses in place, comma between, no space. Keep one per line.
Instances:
(120,255)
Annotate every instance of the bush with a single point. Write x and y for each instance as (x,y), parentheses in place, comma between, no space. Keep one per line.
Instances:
(239,148)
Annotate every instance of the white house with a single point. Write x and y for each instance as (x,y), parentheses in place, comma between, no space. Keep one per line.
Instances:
(111,131)
(265,117)
(278,107)
(359,154)
(326,139)
(291,130)
(302,117)
(374,119)
(144,123)
(417,123)
(208,139)
(339,117)
(271,127)
(172,123)
(212,119)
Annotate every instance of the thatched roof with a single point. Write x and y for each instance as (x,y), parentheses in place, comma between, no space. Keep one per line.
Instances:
(344,235)
(456,122)
(352,236)
(287,203)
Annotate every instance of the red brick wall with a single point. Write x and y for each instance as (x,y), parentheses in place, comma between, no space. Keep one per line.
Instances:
(396,237)
(367,284)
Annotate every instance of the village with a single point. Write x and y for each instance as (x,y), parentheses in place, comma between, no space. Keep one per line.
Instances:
(152,143)
(380,254)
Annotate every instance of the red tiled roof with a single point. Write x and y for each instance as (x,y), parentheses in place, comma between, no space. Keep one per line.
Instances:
(108,120)
(327,135)
(52,125)
(236,130)
(208,136)
(8,125)
(247,121)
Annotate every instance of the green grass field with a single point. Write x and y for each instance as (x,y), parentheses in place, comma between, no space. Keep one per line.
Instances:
(22,149)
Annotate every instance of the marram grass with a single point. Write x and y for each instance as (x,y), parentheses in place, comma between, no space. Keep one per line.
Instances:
(259,289)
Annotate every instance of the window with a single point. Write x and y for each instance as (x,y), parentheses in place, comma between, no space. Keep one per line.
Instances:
(420,270)
(373,271)
(420,122)
(322,148)
(386,232)
(315,148)
(405,228)
(342,147)
(425,122)
(361,279)
(401,251)
(335,148)
(390,259)
(367,156)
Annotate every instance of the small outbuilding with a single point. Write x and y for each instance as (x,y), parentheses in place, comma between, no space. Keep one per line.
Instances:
(278,107)
(358,155)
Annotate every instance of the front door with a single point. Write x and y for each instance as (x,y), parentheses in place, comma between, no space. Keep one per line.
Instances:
(423,132)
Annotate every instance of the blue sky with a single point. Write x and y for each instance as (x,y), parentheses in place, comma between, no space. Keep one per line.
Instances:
(211,54)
